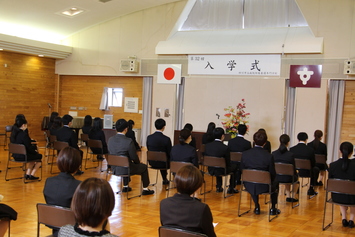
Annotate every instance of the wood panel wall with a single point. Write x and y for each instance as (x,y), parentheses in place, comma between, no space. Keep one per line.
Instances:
(26,87)
(86,91)
(348,123)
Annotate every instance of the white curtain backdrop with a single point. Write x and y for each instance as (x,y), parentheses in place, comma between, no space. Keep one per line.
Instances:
(104,99)
(180,104)
(290,111)
(336,101)
(147,109)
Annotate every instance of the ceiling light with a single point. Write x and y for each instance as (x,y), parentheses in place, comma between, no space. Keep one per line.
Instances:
(40,55)
(71,12)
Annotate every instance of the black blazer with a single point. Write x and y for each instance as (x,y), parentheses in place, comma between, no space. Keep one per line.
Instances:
(302,151)
(59,190)
(259,159)
(239,144)
(207,138)
(86,129)
(31,150)
(159,142)
(98,135)
(185,212)
(184,153)
(321,149)
(131,134)
(66,134)
(218,149)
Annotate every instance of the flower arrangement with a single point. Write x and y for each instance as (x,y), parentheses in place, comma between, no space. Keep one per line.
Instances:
(234,117)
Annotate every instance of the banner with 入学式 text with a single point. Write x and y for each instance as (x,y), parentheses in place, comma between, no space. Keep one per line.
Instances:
(240,65)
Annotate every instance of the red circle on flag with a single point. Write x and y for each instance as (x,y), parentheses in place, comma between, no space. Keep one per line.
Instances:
(169,73)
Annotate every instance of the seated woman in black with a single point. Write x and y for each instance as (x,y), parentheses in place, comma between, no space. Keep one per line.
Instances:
(57,124)
(131,134)
(183,152)
(182,210)
(51,119)
(59,190)
(193,139)
(87,124)
(96,133)
(283,155)
(20,136)
(208,136)
(344,168)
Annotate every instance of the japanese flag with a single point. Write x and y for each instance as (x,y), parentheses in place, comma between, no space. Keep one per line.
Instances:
(169,73)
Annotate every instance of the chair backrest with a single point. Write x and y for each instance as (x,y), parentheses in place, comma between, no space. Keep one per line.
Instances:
(8,128)
(284,169)
(165,231)
(84,137)
(57,145)
(54,216)
(202,147)
(256,176)
(17,149)
(341,186)
(52,138)
(176,165)
(213,161)
(236,156)
(156,156)
(94,143)
(303,164)
(118,160)
(321,159)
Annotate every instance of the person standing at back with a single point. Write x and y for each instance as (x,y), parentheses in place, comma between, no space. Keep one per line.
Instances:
(159,142)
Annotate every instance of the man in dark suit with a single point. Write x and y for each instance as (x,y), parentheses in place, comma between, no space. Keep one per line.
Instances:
(218,149)
(121,145)
(302,151)
(159,142)
(239,144)
(66,134)
(258,158)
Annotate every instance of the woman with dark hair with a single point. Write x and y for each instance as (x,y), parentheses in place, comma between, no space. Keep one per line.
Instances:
(51,119)
(321,149)
(208,136)
(92,204)
(20,136)
(59,190)
(344,168)
(96,133)
(182,210)
(267,145)
(131,134)
(183,152)
(193,139)
(283,155)
(87,124)
(57,124)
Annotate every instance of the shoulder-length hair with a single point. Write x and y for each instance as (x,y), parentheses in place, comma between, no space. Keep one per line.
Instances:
(69,160)
(188,179)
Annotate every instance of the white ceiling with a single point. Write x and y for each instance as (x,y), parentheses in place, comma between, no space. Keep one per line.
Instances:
(18,17)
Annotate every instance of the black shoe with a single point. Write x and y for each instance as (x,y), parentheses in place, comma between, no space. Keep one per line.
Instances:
(232,190)
(257,210)
(274,211)
(219,189)
(345,223)
(126,189)
(291,200)
(31,177)
(311,192)
(166,182)
(79,172)
(351,224)
(26,176)
(99,157)
(148,192)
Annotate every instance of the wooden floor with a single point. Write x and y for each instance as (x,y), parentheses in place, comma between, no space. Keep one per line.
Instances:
(140,216)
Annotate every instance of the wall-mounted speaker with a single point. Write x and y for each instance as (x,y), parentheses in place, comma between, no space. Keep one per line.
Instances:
(349,67)
(108,121)
(129,65)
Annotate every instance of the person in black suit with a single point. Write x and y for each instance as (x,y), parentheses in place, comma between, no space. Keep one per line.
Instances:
(239,144)
(208,136)
(283,155)
(159,142)
(87,124)
(321,149)
(183,152)
(344,168)
(182,210)
(66,134)
(302,151)
(131,134)
(51,119)
(20,136)
(96,133)
(120,145)
(57,124)
(258,158)
(193,139)
(218,149)
(267,145)
(59,190)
